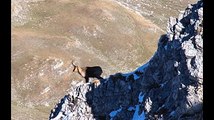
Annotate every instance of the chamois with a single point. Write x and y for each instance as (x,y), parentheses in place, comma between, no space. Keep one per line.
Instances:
(87,72)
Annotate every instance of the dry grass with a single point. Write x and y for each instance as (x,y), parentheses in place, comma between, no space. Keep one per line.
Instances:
(20,112)
(158,11)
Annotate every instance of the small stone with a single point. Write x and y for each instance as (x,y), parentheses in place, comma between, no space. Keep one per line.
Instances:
(178,28)
(172,22)
(189,49)
(199,41)
(200,12)
(180,16)
(189,6)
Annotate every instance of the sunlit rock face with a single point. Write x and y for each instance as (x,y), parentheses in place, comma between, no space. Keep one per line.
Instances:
(168,87)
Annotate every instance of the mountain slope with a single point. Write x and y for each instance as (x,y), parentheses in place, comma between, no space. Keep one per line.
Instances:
(48,34)
(157,11)
(168,86)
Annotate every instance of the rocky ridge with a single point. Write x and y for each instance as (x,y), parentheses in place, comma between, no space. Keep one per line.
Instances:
(168,87)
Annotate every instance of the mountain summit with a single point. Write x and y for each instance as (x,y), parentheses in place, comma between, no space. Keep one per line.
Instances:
(168,87)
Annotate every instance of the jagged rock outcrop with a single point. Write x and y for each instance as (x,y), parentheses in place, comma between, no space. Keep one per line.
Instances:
(168,87)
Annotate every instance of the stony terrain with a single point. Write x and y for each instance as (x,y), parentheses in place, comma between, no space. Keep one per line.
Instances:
(168,87)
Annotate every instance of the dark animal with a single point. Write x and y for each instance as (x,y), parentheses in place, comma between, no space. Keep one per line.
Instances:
(88,72)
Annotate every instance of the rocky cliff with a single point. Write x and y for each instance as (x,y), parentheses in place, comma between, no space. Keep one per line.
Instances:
(168,87)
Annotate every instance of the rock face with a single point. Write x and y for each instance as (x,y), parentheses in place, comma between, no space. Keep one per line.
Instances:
(168,87)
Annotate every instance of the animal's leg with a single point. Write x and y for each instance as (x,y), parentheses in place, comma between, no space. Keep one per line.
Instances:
(96,82)
(86,79)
